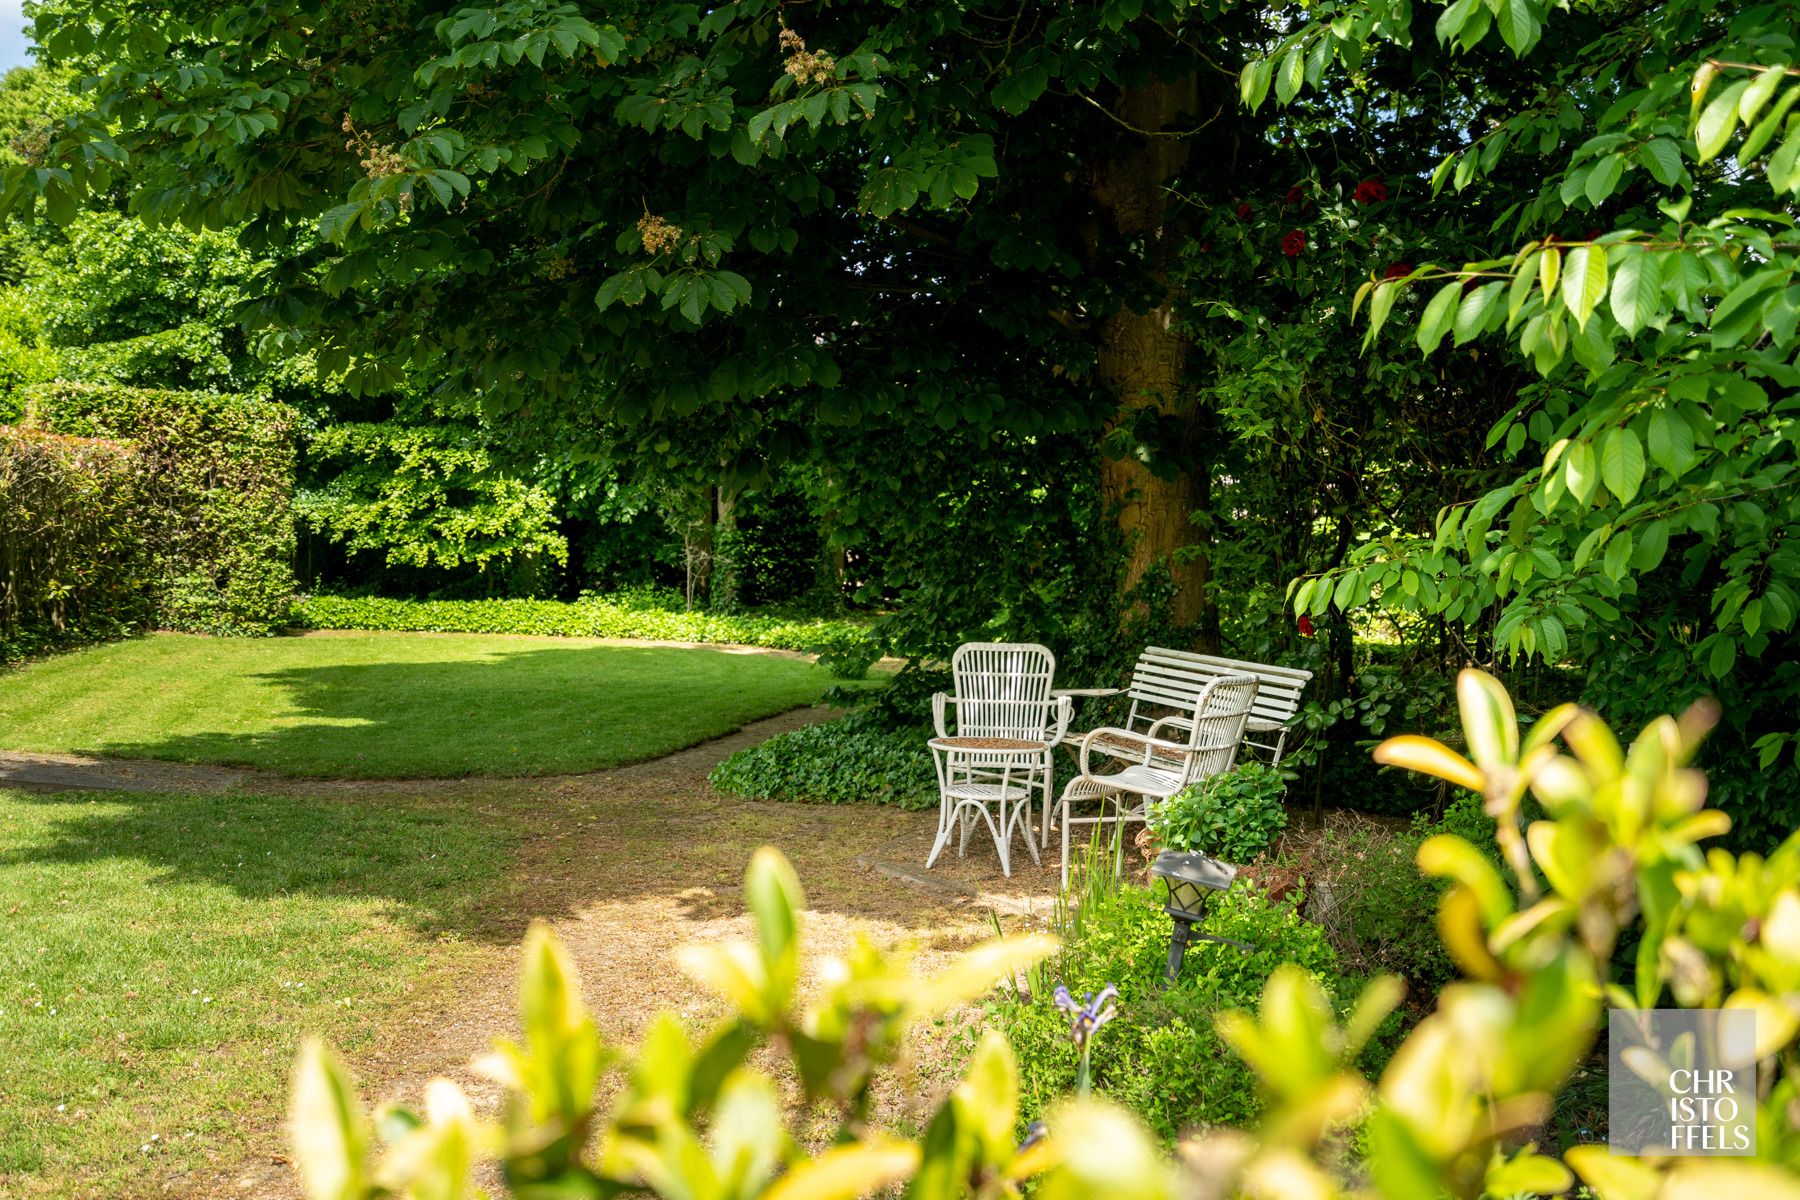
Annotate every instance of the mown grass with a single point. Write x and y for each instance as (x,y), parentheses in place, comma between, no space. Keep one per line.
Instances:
(162,955)
(390,706)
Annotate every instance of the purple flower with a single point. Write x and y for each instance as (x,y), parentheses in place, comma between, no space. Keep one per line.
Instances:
(1088,1014)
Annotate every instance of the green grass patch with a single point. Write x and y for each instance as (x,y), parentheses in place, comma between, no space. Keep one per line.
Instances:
(383,706)
(162,955)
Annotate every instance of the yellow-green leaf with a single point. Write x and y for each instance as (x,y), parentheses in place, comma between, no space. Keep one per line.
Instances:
(1584,281)
(326,1126)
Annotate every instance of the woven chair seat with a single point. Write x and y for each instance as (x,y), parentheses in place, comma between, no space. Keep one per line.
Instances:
(988,743)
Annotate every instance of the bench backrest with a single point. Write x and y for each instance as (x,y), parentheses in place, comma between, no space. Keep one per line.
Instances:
(1175,678)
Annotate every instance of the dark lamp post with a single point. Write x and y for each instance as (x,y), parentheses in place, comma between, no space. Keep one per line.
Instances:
(1192,879)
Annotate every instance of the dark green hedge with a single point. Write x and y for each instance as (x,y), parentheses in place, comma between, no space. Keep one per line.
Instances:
(842,645)
(216,501)
(73,560)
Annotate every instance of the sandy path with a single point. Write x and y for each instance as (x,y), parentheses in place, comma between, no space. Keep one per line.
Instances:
(631,863)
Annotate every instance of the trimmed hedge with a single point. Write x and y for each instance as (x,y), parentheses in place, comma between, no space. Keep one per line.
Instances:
(73,560)
(217,496)
(587,617)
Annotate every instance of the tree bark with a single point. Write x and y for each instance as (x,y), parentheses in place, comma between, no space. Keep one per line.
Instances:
(1142,358)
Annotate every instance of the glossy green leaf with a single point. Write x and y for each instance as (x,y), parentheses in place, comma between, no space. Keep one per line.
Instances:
(1584,281)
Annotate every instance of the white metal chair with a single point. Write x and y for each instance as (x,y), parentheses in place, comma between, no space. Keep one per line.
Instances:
(1007,724)
(1204,742)
(1168,681)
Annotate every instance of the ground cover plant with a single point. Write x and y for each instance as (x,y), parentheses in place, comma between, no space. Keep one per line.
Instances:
(156,950)
(371,706)
(859,758)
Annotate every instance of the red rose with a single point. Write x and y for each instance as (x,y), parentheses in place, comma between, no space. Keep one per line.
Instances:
(1244,211)
(1306,627)
(1396,270)
(1205,247)
(1292,243)
(1371,191)
(1294,195)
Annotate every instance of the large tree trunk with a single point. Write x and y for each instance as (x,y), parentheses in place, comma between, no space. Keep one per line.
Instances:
(1142,358)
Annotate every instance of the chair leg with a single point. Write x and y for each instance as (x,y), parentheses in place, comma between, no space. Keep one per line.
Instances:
(1049,788)
(945,810)
(1064,822)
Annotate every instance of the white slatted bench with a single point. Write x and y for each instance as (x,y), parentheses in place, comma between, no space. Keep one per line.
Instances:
(1167,682)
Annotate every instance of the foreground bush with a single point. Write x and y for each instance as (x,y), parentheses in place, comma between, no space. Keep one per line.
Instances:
(214,510)
(587,617)
(855,759)
(73,562)
(1160,1057)
(1617,850)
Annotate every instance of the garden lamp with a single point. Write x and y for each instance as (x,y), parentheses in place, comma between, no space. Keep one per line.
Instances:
(1192,878)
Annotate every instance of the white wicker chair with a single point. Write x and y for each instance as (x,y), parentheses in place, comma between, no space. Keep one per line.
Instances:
(1206,743)
(1006,727)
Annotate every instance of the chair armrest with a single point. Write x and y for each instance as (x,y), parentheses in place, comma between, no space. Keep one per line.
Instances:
(1065,709)
(1115,735)
(939,702)
(1181,723)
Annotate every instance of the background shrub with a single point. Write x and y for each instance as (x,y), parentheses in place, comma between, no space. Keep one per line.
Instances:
(1368,894)
(73,563)
(644,613)
(1233,815)
(859,758)
(1160,1056)
(215,504)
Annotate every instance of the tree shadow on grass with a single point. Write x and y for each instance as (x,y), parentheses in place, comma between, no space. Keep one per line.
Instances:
(515,713)
(440,870)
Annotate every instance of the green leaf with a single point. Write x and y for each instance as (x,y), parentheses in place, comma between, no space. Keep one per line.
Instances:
(1290,74)
(1758,93)
(1722,657)
(1253,83)
(1584,281)
(1651,546)
(1604,178)
(1618,556)
(1662,158)
(1636,291)
(1717,121)
(1766,129)
(1435,321)
(1549,267)
(1579,472)
(1621,463)
(1519,25)
(1473,311)
(330,1133)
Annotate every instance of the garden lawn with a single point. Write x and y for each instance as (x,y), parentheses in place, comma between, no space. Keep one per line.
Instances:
(162,955)
(392,706)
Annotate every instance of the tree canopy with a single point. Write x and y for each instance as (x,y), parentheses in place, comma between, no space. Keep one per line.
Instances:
(1475,320)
